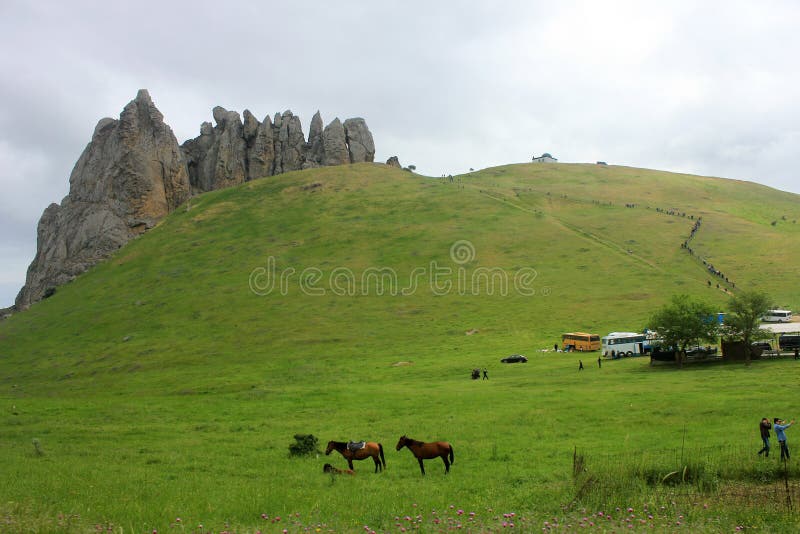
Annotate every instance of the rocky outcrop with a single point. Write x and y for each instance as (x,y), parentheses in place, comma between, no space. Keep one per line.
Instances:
(359,141)
(394,161)
(235,151)
(133,173)
(129,176)
(335,143)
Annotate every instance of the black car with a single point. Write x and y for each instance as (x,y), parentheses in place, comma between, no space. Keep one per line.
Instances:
(515,358)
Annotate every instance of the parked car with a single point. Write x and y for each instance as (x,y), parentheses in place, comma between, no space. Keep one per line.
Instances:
(763,345)
(515,358)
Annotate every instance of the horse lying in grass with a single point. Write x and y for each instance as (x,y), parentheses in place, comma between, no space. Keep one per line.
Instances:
(328,468)
(426,451)
(370,449)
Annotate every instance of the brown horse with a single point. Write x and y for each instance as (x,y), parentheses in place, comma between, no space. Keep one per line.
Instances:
(369,450)
(426,451)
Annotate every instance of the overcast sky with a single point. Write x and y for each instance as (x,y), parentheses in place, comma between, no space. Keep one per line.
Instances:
(706,87)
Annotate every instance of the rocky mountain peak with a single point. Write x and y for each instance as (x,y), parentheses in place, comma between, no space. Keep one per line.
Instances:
(133,173)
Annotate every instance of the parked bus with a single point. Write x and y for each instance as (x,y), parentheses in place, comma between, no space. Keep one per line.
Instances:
(618,344)
(580,341)
(777,316)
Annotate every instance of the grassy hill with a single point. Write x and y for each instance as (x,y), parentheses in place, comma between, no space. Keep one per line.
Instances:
(169,380)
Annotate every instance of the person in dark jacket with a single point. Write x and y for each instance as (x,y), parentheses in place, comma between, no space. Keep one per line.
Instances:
(764,427)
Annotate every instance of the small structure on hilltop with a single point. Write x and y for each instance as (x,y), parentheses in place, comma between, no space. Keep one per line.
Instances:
(544,158)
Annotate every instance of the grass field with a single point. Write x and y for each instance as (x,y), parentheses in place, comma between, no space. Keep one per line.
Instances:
(168,382)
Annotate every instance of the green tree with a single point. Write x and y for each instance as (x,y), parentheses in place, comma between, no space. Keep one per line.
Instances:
(743,322)
(685,322)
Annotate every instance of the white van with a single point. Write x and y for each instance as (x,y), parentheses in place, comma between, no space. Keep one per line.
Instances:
(777,316)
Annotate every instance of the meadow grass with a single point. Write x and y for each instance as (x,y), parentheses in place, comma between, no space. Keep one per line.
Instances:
(159,387)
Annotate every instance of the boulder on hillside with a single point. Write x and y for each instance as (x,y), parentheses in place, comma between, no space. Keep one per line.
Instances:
(394,162)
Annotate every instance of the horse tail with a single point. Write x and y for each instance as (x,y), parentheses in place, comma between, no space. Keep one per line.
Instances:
(380,447)
(452,456)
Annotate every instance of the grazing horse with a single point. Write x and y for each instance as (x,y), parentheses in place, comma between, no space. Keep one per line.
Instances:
(426,451)
(369,450)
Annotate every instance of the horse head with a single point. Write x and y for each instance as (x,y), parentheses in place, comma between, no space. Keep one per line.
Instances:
(402,442)
(330,447)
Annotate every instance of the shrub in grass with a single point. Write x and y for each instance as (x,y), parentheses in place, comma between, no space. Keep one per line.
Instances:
(304,445)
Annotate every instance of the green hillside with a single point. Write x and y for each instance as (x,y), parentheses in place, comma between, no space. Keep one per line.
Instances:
(180,297)
(335,301)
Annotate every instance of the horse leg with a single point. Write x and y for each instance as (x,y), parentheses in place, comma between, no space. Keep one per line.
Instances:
(446,464)
(377,462)
(421,465)
(350,463)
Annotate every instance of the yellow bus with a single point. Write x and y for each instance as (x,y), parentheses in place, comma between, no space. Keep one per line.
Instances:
(580,341)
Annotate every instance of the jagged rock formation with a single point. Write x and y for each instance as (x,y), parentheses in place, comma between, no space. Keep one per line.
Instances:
(235,150)
(133,173)
(129,176)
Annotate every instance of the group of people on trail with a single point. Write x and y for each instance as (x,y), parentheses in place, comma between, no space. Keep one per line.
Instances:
(779,426)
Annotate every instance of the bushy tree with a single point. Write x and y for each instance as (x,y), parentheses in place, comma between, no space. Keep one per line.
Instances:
(685,322)
(743,322)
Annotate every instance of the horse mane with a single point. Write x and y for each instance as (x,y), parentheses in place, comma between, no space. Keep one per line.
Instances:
(414,441)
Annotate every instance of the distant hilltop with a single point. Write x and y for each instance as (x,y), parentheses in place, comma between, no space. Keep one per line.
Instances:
(133,173)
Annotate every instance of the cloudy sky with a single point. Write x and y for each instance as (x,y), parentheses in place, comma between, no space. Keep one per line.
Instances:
(707,87)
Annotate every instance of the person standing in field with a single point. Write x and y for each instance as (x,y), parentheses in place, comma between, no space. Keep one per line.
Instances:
(764,427)
(580,365)
(599,362)
(780,427)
